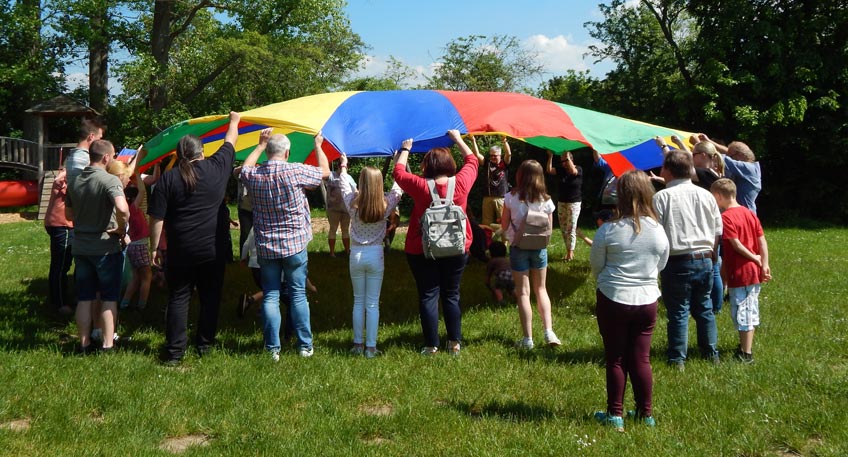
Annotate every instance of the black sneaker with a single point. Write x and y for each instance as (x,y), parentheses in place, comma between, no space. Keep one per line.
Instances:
(744,357)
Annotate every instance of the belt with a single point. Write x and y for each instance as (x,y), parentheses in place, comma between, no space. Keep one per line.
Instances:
(700,255)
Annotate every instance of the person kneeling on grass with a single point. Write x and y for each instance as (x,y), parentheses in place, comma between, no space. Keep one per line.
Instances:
(498,269)
(745,266)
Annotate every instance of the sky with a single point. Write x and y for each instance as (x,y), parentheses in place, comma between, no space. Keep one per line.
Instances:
(416,32)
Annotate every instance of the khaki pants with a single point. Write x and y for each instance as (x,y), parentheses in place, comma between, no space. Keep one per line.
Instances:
(492,210)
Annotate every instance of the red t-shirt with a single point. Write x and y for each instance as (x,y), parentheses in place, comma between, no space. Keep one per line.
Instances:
(138,224)
(740,223)
(416,187)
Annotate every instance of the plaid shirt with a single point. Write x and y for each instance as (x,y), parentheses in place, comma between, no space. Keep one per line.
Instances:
(281,220)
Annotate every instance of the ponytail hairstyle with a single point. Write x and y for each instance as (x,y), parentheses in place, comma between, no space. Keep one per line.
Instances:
(370,202)
(189,148)
(530,183)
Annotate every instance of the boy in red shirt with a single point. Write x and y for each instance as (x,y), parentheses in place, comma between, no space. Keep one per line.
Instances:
(745,263)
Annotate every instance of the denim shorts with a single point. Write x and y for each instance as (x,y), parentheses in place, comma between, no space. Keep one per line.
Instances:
(99,273)
(524,260)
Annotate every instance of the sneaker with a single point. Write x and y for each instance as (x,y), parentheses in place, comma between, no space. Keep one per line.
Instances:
(453,348)
(306,352)
(678,365)
(551,339)
(357,350)
(744,357)
(646,421)
(370,354)
(525,344)
(429,350)
(275,356)
(616,422)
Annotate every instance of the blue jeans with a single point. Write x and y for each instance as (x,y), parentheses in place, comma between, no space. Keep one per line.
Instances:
(61,239)
(294,269)
(686,288)
(717,294)
(438,278)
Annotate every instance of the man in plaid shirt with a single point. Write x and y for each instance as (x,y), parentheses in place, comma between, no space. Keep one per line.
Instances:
(283,228)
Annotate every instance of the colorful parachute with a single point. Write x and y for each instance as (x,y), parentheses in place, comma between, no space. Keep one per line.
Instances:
(363,124)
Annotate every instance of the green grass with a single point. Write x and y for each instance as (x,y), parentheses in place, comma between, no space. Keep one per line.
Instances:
(492,400)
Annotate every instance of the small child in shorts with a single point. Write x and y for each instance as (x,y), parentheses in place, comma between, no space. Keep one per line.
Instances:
(745,263)
(498,272)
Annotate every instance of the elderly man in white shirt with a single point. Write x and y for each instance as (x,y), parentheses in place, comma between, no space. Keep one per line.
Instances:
(692,222)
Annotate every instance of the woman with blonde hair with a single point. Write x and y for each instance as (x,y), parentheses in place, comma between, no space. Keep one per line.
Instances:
(627,255)
(369,207)
(529,266)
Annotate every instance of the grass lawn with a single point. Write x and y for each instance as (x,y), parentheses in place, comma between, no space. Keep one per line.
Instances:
(493,400)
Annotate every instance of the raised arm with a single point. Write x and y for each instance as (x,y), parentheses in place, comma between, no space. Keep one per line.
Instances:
(251,160)
(476,149)
(403,153)
(549,165)
(507,151)
(680,143)
(321,157)
(457,138)
(722,149)
(232,130)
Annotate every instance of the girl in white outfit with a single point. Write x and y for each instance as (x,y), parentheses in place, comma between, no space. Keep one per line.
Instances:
(368,207)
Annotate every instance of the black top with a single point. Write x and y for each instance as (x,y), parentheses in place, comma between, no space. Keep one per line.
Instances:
(191,219)
(706,177)
(497,183)
(570,186)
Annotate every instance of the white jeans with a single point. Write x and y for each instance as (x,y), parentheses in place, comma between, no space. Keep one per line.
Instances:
(366,274)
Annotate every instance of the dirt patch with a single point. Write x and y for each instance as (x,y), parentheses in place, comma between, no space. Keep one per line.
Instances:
(376,409)
(375,440)
(6,218)
(17,425)
(179,444)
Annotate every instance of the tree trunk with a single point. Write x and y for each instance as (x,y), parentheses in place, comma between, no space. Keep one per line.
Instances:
(98,60)
(161,49)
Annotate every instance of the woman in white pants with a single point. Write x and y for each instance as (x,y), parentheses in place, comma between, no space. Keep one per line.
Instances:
(368,207)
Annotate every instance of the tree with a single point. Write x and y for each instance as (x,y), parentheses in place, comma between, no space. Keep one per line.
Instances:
(574,88)
(480,63)
(29,62)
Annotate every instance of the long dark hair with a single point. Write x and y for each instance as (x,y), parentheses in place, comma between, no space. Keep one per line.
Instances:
(189,148)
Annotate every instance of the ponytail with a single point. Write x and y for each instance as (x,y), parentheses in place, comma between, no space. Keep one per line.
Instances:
(188,149)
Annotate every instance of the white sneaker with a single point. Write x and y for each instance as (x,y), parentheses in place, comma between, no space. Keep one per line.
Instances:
(369,354)
(275,356)
(525,344)
(551,339)
(306,352)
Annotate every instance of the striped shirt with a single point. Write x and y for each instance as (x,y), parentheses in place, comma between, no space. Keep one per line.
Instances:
(281,218)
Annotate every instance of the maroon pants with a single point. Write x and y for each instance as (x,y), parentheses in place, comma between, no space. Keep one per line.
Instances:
(626,331)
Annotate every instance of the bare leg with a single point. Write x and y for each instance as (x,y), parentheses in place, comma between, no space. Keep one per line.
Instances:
(83,317)
(746,341)
(522,294)
(109,318)
(145,277)
(543,302)
(332,243)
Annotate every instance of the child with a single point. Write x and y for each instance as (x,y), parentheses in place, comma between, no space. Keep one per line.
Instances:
(498,268)
(529,266)
(745,263)
(368,208)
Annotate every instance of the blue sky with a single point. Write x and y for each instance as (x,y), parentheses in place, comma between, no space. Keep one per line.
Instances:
(416,32)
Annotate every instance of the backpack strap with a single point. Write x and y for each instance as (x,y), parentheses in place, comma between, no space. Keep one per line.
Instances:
(431,184)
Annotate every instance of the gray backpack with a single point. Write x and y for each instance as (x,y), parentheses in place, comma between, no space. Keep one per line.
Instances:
(443,224)
(534,232)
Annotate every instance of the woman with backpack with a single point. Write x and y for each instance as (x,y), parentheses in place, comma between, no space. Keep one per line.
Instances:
(528,213)
(438,269)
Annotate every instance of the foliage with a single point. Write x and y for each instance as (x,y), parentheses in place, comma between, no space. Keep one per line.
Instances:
(770,73)
(29,63)
(492,400)
(479,63)
(574,88)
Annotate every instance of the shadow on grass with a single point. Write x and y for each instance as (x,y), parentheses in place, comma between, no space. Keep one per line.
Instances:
(512,411)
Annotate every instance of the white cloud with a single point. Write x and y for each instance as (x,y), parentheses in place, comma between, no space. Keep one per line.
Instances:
(557,54)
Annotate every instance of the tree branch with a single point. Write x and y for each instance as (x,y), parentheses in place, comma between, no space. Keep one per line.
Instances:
(665,25)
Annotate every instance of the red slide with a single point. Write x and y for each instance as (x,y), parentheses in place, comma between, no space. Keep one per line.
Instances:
(18,193)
